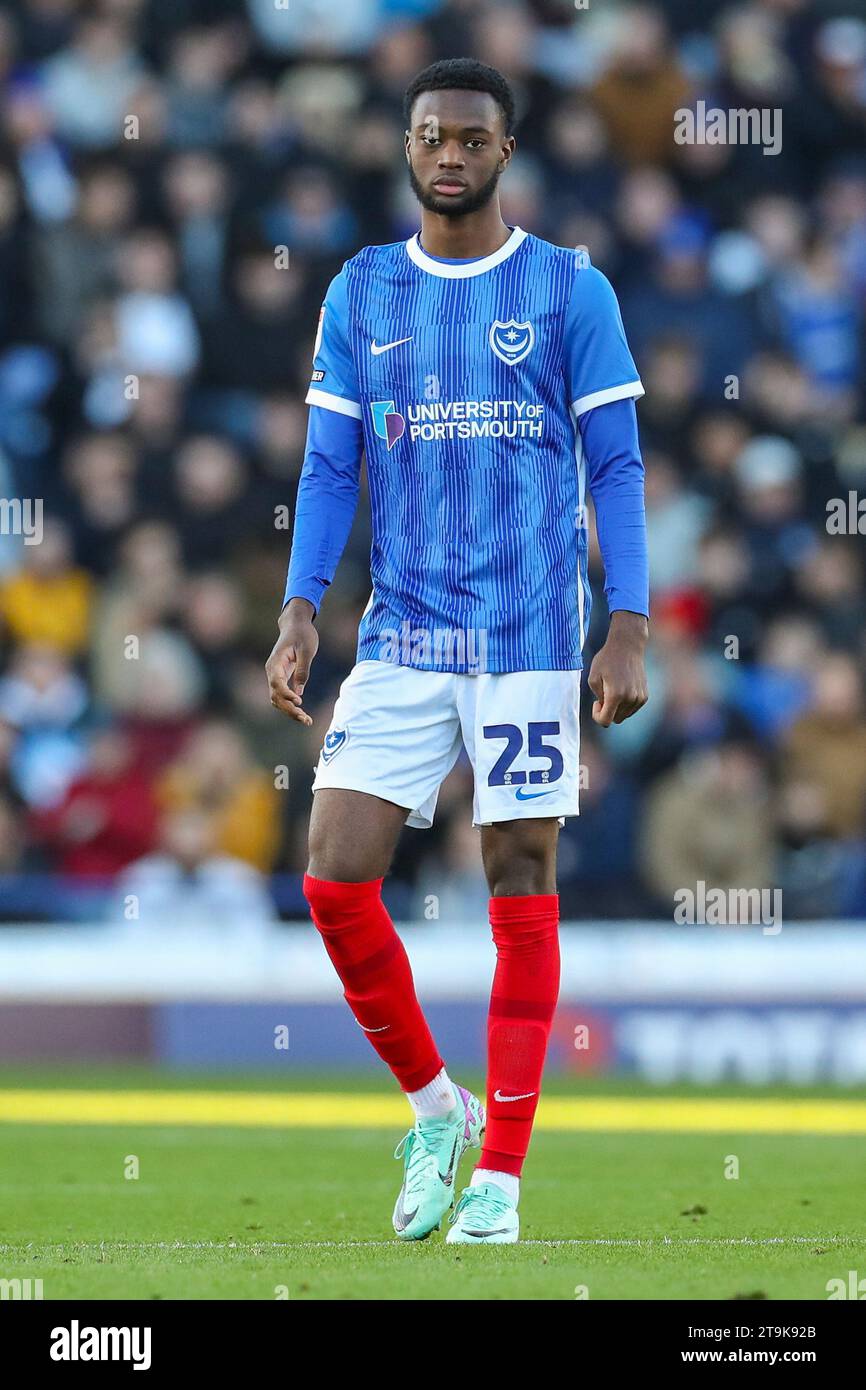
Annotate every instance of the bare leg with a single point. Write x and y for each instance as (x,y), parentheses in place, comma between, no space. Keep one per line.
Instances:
(353,836)
(520,856)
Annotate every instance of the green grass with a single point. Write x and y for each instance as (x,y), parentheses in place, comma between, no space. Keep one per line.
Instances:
(232,1213)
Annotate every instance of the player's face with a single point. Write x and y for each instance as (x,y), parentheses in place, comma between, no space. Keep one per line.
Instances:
(457,150)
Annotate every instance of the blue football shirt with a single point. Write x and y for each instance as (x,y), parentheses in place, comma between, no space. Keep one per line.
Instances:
(469,380)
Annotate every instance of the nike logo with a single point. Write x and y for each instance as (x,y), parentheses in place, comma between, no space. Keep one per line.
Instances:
(383,1029)
(531,796)
(448,1177)
(386,347)
(402,1217)
(497,1095)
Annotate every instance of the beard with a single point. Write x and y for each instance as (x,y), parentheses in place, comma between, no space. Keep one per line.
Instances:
(449,207)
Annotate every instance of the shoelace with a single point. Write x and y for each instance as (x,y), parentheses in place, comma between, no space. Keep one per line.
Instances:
(490,1208)
(417,1147)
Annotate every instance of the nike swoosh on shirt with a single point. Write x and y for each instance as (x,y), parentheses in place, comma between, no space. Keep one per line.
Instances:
(521,795)
(497,1095)
(386,347)
(383,1029)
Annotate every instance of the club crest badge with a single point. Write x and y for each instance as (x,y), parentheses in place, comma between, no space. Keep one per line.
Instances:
(512,341)
(334,741)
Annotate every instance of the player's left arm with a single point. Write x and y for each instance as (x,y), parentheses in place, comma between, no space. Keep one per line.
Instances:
(617,676)
(603,384)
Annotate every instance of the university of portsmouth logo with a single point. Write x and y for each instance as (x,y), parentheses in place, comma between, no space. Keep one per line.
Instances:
(512,341)
(387,422)
(334,741)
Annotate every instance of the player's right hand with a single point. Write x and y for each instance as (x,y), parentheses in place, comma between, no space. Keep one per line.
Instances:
(288,666)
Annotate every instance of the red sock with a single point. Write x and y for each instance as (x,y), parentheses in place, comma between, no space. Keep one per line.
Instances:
(522,1004)
(371,961)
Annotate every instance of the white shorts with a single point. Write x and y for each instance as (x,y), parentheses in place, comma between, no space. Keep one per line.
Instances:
(397,732)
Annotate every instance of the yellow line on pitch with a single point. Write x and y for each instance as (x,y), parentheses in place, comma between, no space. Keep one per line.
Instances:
(330,1110)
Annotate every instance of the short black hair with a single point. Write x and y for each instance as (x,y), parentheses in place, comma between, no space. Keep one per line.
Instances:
(463,74)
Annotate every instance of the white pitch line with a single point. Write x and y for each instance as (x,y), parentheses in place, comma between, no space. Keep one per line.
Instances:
(368,1244)
(603,1240)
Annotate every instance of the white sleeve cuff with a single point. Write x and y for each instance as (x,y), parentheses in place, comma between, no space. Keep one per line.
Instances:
(630,390)
(336,403)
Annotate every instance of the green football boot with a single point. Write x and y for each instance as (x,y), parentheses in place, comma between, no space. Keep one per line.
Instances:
(431,1152)
(484,1216)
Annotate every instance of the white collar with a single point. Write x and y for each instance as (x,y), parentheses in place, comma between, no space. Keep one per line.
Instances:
(463,272)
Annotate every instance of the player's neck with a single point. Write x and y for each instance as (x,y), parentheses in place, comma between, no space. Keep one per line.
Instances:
(464,238)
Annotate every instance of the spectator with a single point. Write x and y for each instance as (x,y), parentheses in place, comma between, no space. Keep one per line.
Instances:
(826,746)
(707,821)
(89,85)
(76,258)
(107,816)
(187,882)
(216,776)
(49,599)
(641,89)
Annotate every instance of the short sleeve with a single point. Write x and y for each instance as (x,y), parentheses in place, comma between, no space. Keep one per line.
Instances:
(334,384)
(598,365)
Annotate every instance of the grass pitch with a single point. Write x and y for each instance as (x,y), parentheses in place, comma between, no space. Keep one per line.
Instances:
(132,1184)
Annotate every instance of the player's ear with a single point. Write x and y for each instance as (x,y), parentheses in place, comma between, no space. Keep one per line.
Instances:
(406,144)
(508,148)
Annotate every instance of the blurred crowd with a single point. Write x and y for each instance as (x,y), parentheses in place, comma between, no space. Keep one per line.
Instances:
(155,347)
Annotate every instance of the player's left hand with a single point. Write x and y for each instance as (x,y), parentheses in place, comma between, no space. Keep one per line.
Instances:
(617,677)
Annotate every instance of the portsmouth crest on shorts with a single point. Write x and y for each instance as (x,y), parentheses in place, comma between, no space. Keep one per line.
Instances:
(512,341)
(335,739)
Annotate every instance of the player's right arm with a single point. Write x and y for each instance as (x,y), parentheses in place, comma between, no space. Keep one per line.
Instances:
(326,504)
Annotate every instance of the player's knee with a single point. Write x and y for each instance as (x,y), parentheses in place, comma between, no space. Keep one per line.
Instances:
(332,868)
(521,874)
(330,858)
(520,858)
